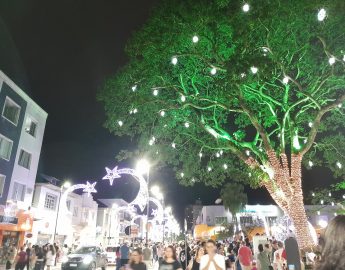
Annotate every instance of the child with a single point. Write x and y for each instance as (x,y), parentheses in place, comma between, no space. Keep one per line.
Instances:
(254,266)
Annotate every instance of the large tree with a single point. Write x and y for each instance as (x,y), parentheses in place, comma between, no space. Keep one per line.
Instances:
(221,89)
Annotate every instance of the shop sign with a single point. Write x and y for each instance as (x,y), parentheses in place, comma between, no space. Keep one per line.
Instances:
(8,220)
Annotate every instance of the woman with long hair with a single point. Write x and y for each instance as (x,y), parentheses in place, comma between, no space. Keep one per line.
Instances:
(333,245)
(136,260)
(195,263)
(50,257)
(170,260)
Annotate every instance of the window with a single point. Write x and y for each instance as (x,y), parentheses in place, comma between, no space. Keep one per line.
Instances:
(18,192)
(2,183)
(75,211)
(5,148)
(11,111)
(68,204)
(30,126)
(24,159)
(50,201)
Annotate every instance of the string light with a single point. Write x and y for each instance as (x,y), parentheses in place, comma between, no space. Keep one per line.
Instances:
(310,163)
(313,194)
(247,152)
(209,169)
(339,165)
(254,70)
(217,155)
(213,71)
(173,145)
(225,166)
(322,202)
(295,142)
(134,88)
(182,174)
(330,194)
(332,203)
(243,75)
(151,142)
(200,155)
(318,212)
(195,39)
(155,92)
(221,152)
(335,214)
(321,15)
(193,180)
(340,105)
(135,111)
(174,60)
(286,80)
(310,124)
(245,7)
(344,57)
(183,98)
(186,125)
(343,196)
(331,60)
(162,113)
(120,123)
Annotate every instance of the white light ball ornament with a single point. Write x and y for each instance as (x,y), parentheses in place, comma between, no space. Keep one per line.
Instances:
(331,60)
(134,88)
(213,71)
(186,125)
(162,113)
(120,123)
(155,92)
(174,60)
(245,7)
(254,70)
(321,15)
(183,98)
(195,39)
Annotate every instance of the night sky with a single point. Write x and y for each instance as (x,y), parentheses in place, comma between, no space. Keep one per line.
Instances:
(60,53)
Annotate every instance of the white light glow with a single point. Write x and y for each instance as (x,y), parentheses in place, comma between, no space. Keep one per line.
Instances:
(183,98)
(186,125)
(310,124)
(182,174)
(162,113)
(174,60)
(209,169)
(243,75)
(135,110)
(331,60)
(313,194)
(195,39)
(247,152)
(286,80)
(155,92)
(213,71)
(200,154)
(322,202)
(254,70)
(134,88)
(323,223)
(321,15)
(339,165)
(310,163)
(225,166)
(143,166)
(173,145)
(120,123)
(217,155)
(245,7)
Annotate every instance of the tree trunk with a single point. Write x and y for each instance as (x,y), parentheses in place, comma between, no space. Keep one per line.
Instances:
(285,188)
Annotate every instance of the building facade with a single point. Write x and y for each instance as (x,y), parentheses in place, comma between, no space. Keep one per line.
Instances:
(22,125)
(74,224)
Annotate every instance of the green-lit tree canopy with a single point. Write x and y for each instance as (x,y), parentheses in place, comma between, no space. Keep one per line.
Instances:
(219,91)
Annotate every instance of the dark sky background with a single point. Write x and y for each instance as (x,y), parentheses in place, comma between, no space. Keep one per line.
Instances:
(60,53)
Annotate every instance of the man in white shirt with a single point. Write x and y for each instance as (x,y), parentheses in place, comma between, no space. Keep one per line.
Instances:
(212,260)
(278,260)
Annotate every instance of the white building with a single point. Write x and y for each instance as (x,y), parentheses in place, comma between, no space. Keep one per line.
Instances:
(111,223)
(77,226)
(22,125)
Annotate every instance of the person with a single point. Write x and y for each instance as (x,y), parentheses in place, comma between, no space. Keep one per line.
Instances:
(28,256)
(11,256)
(212,260)
(333,245)
(254,266)
(135,262)
(21,259)
(39,265)
(278,259)
(65,250)
(263,259)
(33,257)
(245,256)
(147,256)
(118,258)
(124,254)
(231,259)
(169,261)
(50,257)
(195,264)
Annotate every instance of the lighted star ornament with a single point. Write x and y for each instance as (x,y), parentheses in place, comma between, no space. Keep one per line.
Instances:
(111,175)
(90,188)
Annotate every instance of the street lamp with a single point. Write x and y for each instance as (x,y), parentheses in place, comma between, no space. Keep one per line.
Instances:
(65,185)
(143,167)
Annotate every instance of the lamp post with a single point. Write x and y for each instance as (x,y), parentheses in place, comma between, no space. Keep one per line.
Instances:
(65,185)
(143,167)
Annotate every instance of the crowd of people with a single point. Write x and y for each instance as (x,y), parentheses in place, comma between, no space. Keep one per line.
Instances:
(234,254)
(33,257)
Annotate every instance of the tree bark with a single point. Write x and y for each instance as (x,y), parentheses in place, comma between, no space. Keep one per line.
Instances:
(286,190)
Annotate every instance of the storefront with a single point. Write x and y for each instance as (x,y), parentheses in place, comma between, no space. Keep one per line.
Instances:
(14,227)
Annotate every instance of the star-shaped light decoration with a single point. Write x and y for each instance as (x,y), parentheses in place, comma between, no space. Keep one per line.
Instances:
(154,212)
(90,188)
(111,175)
